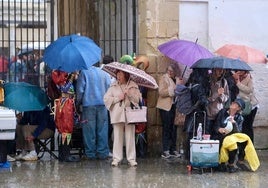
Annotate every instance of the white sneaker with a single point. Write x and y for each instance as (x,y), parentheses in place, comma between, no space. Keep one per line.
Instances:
(115,163)
(10,159)
(19,157)
(175,154)
(132,163)
(165,155)
(32,156)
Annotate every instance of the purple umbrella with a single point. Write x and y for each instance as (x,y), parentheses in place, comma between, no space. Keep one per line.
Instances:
(185,52)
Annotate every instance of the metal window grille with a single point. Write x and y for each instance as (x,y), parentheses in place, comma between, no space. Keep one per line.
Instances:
(28,26)
(22,40)
(117,27)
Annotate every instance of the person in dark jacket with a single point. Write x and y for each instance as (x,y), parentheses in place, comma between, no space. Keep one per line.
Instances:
(200,87)
(228,122)
(233,89)
(33,124)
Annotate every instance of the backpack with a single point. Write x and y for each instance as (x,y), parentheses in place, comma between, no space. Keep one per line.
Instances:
(183,100)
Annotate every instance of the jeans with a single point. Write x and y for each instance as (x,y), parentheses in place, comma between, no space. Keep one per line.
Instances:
(169,131)
(95,131)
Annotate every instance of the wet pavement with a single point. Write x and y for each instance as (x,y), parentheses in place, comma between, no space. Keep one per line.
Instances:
(150,172)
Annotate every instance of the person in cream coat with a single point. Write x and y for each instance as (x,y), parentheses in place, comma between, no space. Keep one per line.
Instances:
(119,96)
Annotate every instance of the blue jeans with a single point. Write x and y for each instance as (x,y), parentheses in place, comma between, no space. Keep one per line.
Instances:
(169,130)
(95,131)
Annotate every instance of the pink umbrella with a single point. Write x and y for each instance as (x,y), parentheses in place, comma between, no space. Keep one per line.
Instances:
(139,76)
(185,52)
(242,52)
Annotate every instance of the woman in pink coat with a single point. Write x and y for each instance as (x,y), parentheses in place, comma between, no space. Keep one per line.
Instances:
(119,96)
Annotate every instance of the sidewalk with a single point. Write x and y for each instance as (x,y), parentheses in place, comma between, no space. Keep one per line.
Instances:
(151,172)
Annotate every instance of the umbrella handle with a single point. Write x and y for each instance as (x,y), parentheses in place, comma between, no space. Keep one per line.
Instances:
(184,71)
(128,81)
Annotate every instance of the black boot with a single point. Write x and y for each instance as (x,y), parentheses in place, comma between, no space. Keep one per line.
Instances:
(62,152)
(65,154)
(3,151)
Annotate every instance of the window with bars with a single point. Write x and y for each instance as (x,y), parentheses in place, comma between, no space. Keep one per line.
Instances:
(27,27)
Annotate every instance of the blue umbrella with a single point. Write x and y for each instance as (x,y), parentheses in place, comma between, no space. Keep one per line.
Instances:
(72,53)
(22,96)
(223,63)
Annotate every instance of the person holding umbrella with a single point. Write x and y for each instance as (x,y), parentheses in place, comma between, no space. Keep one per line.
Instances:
(120,94)
(199,83)
(218,96)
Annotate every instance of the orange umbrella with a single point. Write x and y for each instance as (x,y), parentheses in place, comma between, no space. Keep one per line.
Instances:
(242,52)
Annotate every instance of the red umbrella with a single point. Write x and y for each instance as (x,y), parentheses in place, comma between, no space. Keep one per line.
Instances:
(242,52)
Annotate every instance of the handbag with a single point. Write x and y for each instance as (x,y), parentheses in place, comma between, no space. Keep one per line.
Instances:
(179,118)
(247,109)
(136,114)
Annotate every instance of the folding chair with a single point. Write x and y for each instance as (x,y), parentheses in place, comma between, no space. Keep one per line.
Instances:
(45,145)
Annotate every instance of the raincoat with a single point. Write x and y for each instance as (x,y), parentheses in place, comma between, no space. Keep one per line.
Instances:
(230,143)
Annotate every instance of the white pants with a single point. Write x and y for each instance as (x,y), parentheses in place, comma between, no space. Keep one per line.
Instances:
(119,130)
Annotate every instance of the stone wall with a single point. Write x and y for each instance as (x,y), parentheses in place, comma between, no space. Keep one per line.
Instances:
(157,24)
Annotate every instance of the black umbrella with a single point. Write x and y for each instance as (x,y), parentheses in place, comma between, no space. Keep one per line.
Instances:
(223,63)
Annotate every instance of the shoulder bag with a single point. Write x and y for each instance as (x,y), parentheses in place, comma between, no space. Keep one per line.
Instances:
(136,114)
